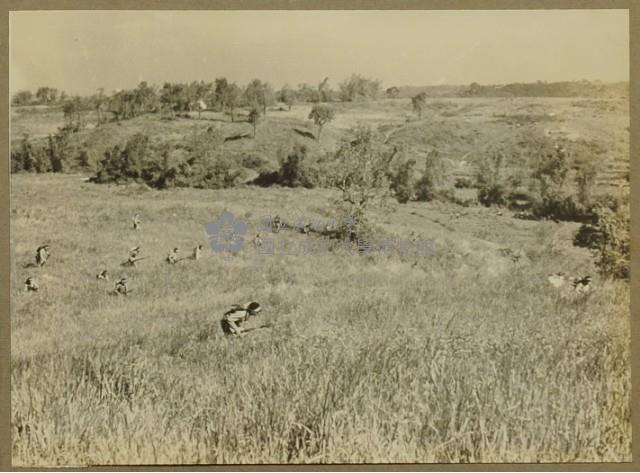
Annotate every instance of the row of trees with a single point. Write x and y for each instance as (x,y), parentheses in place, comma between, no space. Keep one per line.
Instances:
(221,95)
(43,96)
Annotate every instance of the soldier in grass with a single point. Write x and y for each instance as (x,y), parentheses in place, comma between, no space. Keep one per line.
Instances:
(197,251)
(136,222)
(233,319)
(104,275)
(30,285)
(122,289)
(276,224)
(257,241)
(133,256)
(172,257)
(42,255)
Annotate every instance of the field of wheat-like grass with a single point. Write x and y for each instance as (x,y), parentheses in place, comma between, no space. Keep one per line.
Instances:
(456,356)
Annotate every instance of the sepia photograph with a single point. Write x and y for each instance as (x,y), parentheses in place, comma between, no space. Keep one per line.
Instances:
(258,237)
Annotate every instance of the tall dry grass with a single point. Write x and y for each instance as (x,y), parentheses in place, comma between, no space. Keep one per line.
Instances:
(369,358)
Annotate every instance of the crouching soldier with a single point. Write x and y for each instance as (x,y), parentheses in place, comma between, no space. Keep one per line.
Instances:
(276,224)
(238,314)
(197,251)
(121,287)
(42,255)
(31,285)
(136,222)
(172,257)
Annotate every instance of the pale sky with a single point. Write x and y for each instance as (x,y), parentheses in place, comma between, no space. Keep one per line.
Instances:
(80,51)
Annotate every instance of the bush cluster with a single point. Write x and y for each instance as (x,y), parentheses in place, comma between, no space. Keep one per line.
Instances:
(205,165)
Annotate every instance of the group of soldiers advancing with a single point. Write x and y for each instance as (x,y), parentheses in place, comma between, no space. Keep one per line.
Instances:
(232,319)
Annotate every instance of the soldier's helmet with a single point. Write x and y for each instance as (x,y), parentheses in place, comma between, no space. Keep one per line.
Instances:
(254,308)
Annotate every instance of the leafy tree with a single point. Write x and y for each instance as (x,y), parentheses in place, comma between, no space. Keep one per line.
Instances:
(307,93)
(82,159)
(392,92)
(198,91)
(254,118)
(585,181)
(359,171)
(287,96)
(174,98)
(321,115)
(128,162)
(23,97)
(432,177)
(258,94)
(227,96)
(58,150)
(46,95)
(23,159)
(207,165)
(292,171)
(357,87)
(609,237)
(145,99)
(99,104)
(490,179)
(402,181)
(419,103)
(324,91)
(72,110)
(548,184)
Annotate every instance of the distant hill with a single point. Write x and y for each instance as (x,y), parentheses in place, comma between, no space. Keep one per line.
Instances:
(594,89)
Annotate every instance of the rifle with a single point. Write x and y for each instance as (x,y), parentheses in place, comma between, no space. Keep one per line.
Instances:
(131,262)
(257,328)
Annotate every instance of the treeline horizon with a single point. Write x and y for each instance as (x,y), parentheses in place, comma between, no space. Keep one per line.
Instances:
(354,88)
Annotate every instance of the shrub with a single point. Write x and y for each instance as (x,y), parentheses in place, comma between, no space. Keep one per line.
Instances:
(490,180)
(432,178)
(253,161)
(549,190)
(82,159)
(58,149)
(23,158)
(494,194)
(292,171)
(402,183)
(207,166)
(585,182)
(463,183)
(518,200)
(357,88)
(609,237)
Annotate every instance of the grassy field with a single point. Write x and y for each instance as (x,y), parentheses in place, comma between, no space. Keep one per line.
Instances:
(457,356)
